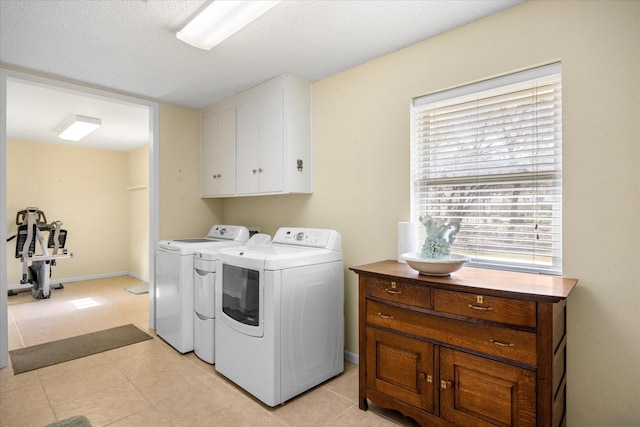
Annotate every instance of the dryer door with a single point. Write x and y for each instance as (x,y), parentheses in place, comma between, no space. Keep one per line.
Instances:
(241,297)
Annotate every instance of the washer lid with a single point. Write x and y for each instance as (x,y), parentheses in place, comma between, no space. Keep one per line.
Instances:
(292,257)
(219,236)
(277,257)
(210,252)
(190,247)
(196,240)
(252,257)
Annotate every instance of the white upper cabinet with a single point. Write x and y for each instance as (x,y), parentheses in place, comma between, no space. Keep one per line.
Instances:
(218,154)
(271,141)
(259,145)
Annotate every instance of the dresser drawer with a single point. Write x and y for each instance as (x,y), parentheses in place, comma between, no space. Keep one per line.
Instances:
(405,293)
(505,343)
(478,306)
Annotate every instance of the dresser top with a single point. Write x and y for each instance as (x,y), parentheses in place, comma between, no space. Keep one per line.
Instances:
(531,286)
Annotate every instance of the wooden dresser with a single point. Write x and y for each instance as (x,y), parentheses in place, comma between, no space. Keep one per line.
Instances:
(478,348)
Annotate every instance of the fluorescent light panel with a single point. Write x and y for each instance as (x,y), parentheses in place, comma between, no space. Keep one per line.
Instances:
(77,127)
(220,20)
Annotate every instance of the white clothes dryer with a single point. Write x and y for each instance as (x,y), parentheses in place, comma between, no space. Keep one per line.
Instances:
(174,281)
(280,313)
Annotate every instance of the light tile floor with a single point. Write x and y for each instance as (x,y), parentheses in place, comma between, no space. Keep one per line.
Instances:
(149,383)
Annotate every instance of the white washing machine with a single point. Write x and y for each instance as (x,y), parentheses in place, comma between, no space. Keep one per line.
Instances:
(174,281)
(280,313)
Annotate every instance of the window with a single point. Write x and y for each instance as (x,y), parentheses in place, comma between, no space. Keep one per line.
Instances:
(490,155)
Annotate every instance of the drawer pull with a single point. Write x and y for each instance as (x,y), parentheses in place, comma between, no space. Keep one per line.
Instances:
(393,291)
(385,316)
(501,344)
(475,307)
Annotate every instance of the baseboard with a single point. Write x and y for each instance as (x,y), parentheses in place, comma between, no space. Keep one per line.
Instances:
(54,282)
(139,277)
(351,357)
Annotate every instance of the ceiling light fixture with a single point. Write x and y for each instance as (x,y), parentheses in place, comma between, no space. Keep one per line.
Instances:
(77,127)
(220,20)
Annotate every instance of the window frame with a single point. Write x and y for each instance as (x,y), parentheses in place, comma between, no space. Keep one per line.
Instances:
(544,171)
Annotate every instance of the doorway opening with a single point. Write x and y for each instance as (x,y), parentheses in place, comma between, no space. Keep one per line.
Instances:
(8,77)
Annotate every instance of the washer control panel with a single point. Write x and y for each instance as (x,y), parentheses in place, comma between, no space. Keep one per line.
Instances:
(229,232)
(311,237)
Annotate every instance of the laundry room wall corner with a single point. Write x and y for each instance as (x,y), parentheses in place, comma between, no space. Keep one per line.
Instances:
(139,212)
(183,213)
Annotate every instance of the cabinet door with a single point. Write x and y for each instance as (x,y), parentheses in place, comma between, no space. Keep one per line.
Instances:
(219,153)
(209,167)
(271,149)
(260,168)
(478,392)
(400,367)
(248,143)
(227,152)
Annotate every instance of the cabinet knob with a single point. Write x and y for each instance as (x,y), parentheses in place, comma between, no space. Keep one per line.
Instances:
(259,170)
(254,171)
(424,376)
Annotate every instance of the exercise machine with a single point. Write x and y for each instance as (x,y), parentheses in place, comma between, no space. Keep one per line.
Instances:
(36,268)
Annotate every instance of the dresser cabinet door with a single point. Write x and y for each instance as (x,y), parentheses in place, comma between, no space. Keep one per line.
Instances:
(401,367)
(478,392)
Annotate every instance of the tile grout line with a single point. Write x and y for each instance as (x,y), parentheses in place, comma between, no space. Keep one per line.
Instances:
(15,322)
(233,389)
(348,408)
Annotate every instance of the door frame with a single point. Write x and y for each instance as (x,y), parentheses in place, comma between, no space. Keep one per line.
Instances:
(154,223)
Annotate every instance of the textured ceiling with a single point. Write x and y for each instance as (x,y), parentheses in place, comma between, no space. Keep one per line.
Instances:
(35,113)
(130,46)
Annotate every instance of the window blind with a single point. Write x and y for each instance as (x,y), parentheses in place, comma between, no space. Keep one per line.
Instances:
(490,155)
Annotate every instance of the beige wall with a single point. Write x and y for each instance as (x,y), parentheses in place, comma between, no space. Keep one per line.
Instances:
(182,212)
(361,137)
(138,194)
(84,188)
(103,197)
